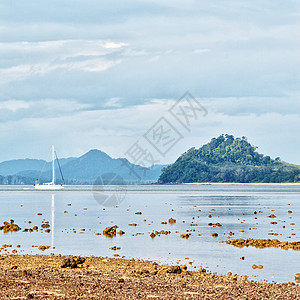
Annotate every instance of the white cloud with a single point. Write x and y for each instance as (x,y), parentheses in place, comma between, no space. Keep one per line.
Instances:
(153,59)
(112,102)
(14,105)
(66,48)
(92,65)
(38,58)
(199,51)
(14,73)
(17,111)
(113,45)
(22,72)
(59,106)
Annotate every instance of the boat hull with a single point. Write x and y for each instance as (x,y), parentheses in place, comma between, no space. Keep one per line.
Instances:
(49,187)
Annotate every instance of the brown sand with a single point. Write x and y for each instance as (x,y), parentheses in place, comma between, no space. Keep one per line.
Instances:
(42,277)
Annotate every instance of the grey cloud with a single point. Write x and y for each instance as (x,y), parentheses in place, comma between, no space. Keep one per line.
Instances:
(240,58)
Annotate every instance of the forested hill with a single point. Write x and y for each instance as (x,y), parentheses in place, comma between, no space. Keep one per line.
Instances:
(228,159)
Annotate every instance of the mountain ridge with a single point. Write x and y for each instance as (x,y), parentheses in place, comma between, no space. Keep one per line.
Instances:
(84,169)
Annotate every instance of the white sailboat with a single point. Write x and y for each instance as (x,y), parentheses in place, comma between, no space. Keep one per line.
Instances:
(50,185)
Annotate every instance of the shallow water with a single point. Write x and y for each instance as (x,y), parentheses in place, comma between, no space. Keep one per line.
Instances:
(233,206)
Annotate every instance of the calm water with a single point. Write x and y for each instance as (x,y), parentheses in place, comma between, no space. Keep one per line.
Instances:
(232,206)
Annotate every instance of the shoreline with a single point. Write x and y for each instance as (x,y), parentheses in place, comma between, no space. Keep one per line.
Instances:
(44,277)
(239,183)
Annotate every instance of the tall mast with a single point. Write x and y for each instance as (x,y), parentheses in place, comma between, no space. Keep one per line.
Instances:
(53,165)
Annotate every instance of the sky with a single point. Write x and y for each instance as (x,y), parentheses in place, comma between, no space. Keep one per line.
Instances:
(100,74)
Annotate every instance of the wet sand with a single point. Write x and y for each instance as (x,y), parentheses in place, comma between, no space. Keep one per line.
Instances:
(43,277)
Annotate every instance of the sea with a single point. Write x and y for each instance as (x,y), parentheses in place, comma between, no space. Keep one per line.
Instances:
(77,216)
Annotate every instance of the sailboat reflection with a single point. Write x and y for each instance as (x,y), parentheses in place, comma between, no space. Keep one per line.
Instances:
(52,219)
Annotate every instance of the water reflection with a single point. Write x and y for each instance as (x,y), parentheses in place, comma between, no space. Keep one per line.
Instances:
(52,219)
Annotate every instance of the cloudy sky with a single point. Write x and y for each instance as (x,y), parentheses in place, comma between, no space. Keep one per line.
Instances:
(98,74)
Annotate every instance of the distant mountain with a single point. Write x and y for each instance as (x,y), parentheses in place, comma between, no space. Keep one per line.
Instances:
(82,170)
(18,166)
(15,166)
(228,159)
(94,163)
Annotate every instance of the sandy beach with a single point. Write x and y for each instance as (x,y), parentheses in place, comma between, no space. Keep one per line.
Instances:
(59,277)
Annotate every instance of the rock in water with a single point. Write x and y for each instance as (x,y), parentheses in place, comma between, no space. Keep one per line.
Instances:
(7,227)
(43,248)
(185,235)
(110,231)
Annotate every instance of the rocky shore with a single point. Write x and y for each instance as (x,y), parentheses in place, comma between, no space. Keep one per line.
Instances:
(59,277)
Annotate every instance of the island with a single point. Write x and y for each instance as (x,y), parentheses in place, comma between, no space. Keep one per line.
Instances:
(227,159)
